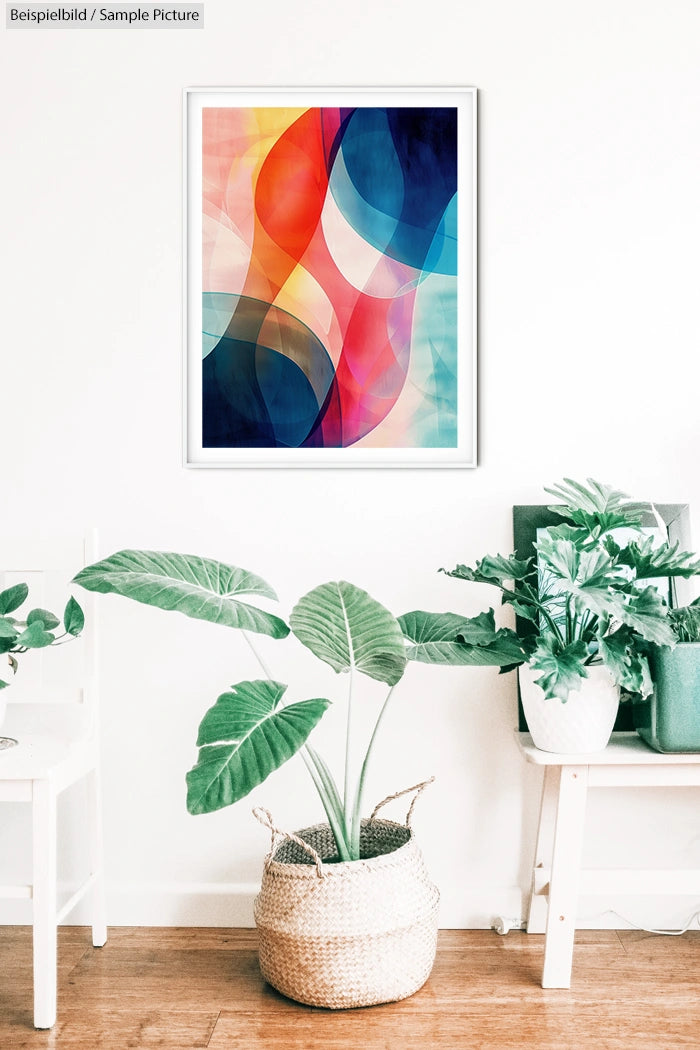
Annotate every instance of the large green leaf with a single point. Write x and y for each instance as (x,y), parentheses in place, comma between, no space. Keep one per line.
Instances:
(589,575)
(202,588)
(447,638)
(648,561)
(345,627)
(243,738)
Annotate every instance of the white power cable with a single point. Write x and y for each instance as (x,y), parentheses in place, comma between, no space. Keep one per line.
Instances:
(660,933)
(503,925)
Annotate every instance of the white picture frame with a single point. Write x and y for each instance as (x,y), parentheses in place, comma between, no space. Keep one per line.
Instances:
(250,399)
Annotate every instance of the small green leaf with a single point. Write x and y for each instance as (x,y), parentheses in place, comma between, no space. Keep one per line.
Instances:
(562,667)
(73,618)
(615,651)
(580,537)
(35,637)
(649,561)
(345,627)
(243,738)
(629,668)
(8,628)
(44,617)
(493,569)
(686,622)
(525,601)
(3,685)
(12,598)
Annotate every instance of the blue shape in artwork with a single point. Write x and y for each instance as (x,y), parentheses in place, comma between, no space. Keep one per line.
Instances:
(442,254)
(259,396)
(402,163)
(375,226)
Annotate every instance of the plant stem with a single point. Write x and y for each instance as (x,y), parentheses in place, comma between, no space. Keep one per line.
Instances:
(348,729)
(333,812)
(541,609)
(551,623)
(321,777)
(569,622)
(356,817)
(257,656)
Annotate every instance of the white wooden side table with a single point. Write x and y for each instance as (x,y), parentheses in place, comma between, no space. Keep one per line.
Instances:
(557,877)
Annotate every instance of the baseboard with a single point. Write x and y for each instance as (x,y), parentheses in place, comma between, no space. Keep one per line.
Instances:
(471,908)
(157,904)
(181,904)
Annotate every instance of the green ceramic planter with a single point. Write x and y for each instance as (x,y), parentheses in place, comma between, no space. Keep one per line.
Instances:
(669,720)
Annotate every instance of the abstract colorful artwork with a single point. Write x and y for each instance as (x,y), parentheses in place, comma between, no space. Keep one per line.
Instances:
(328,262)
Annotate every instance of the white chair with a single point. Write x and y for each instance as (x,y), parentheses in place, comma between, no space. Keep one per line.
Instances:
(52,714)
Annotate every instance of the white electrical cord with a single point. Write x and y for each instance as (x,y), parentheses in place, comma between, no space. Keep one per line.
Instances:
(661,933)
(503,925)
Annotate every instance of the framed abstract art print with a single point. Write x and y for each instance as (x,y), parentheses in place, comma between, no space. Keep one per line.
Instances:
(330,277)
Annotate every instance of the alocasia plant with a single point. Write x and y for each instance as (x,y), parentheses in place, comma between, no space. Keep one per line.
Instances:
(252,729)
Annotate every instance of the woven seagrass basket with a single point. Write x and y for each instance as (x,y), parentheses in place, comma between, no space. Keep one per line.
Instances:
(346,934)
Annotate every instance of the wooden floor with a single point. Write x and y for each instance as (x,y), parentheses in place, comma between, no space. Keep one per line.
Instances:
(186,988)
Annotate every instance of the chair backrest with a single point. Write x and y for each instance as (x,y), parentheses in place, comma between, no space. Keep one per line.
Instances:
(54,687)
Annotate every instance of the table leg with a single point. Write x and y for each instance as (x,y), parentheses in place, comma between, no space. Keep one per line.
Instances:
(565,877)
(537,908)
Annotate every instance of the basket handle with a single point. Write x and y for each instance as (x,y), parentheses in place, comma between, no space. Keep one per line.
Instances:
(265,818)
(418,788)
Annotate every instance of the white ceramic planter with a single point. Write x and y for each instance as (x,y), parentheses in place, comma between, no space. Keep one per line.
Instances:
(580,726)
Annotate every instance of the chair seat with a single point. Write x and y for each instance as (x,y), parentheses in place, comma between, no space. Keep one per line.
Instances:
(39,756)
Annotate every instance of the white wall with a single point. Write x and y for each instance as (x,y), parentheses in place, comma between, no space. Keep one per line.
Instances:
(588,273)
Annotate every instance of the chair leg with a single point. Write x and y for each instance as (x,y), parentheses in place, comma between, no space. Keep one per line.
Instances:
(44,902)
(99,923)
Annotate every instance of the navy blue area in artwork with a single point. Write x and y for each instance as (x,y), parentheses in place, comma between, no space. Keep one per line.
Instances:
(403,163)
(257,395)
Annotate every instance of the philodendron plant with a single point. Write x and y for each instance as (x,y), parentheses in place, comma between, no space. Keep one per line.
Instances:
(253,729)
(32,630)
(588,592)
